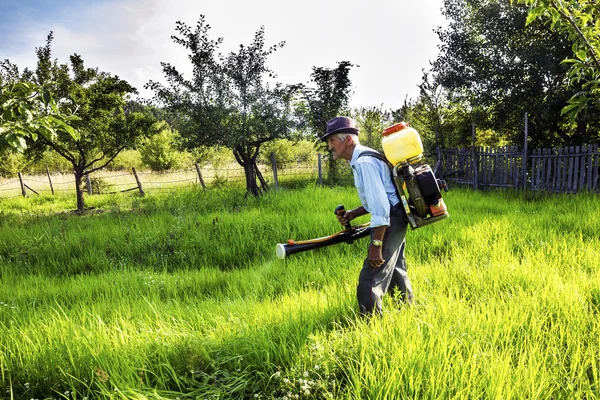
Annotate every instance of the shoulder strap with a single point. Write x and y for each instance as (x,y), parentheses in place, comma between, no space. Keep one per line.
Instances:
(379,156)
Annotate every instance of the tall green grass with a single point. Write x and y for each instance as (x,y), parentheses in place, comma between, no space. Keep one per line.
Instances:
(181,296)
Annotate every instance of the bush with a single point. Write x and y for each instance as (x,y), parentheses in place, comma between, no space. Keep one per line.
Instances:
(125,161)
(217,156)
(284,153)
(11,164)
(99,185)
(288,152)
(306,152)
(158,152)
(51,159)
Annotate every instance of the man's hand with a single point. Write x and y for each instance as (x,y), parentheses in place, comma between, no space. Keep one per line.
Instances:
(344,218)
(375,257)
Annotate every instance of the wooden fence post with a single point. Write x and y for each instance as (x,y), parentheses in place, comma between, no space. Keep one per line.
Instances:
(274,167)
(474,155)
(139,183)
(524,176)
(320,169)
(23,192)
(88,184)
(50,180)
(200,176)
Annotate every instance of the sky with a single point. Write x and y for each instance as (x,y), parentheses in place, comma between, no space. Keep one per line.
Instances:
(391,41)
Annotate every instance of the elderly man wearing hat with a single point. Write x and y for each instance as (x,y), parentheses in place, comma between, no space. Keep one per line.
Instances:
(384,269)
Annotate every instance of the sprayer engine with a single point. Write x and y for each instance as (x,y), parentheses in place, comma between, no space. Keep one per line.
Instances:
(420,193)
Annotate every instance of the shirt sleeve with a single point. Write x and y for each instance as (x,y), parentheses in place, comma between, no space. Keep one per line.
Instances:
(375,194)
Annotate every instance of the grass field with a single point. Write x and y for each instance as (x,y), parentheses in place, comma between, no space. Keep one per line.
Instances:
(180,295)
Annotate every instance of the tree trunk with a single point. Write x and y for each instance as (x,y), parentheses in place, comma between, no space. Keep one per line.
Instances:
(244,159)
(251,185)
(581,132)
(263,183)
(79,191)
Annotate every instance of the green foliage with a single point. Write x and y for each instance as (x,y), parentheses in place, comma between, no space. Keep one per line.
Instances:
(227,102)
(51,159)
(159,151)
(99,185)
(579,20)
(125,161)
(497,68)
(326,98)
(11,164)
(288,153)
(372,122)
(305,151)
(27,111)
(283,151)
(104,125)
(217,156)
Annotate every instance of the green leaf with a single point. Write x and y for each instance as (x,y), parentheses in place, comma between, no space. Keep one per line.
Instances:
(534,13)
(568,108)
(71,131)
(24,110)
(16,141)
(47,97)
(582,55)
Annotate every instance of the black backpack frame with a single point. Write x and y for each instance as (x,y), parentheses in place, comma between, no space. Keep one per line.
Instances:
(418,189)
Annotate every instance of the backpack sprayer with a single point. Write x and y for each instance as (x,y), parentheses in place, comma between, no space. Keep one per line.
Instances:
(416,185)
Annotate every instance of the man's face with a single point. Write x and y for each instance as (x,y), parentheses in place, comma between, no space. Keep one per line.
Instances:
(337,146)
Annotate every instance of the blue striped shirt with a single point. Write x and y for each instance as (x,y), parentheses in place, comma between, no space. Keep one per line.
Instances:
(375,187)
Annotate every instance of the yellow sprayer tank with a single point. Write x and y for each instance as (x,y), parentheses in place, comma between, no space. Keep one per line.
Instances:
(402,144)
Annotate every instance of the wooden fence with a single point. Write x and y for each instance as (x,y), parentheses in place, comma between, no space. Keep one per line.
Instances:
(565,169)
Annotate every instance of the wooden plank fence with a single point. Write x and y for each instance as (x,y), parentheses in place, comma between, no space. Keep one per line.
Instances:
(565,169)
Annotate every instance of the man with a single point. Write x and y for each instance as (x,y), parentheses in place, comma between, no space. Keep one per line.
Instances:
(385,266)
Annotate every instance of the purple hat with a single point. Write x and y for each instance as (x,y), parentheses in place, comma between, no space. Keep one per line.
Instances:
(340,125)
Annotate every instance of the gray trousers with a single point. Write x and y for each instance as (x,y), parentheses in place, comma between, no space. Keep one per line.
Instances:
(374,283)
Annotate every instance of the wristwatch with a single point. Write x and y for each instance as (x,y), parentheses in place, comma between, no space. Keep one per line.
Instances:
(376,243)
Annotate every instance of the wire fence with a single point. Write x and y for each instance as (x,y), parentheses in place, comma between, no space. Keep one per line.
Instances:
(555,170)
(111,182)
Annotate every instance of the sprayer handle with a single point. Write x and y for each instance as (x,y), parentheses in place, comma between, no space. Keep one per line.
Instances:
(340,210)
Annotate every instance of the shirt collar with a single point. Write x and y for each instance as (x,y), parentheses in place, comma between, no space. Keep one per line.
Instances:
(357,150)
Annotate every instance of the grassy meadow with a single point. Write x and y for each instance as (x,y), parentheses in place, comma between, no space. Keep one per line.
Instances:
(180,295)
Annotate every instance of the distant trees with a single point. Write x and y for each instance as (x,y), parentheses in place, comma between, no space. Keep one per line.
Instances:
(326,97)
(104,125)
(579,20)
(498,68)
(226,101)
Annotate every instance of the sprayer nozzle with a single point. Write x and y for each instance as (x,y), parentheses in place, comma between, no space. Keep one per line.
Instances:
(280,251)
